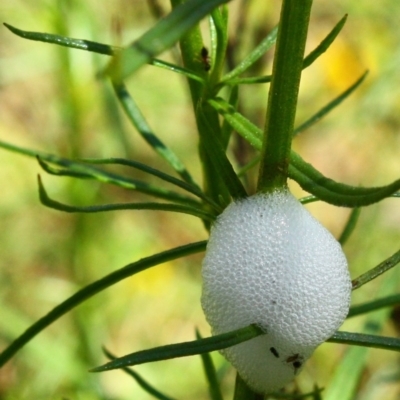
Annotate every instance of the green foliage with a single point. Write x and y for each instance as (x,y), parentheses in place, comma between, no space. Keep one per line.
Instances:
(218,112)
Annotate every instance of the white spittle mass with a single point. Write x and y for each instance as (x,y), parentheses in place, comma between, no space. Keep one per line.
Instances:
(270,262)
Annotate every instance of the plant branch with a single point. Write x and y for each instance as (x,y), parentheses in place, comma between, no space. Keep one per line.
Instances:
(282,101)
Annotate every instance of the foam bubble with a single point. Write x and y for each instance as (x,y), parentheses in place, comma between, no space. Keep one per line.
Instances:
(269,262)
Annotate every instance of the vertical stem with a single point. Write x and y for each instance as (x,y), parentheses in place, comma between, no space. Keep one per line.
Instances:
(282,100)
(243,392)
(191,44)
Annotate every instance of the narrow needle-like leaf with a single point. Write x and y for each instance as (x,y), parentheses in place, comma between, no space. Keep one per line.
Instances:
(336,193)
(308,199)
(136,117)
(304,173)
(80,44)
(255,55)
(348,374)
(159,38)
(361,339)
(185,349)
(48,202)
(350,225)
(211,374)
(374,305)
(218,157)
(194,189)
(146,386)
(81,170)
(330,106)
(231,77)
(378,270)
(96,47)
(94,288)
(66,167)
(324,45)
(242,125)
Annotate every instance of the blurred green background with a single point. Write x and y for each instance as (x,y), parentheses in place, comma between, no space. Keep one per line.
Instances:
(50,100)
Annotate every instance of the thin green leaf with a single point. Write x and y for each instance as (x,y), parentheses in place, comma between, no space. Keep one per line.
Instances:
(350,225)
(324,45)
(361,339)
(304,173)
(374,305)
(219,40)
(239,123)
(159,38)
(346,377)
(177,69)
(96,47)
(251,164)
(56,170)
(330,106)
(251,80)
(184,349)
(308,199)
(226,128)
(80,44)
(335,193)
(22,150)
(168,178)
(76,169)
(141,382)
(254,56)
(90,290)
(221,163)
(48,202)
(349,372)
(208,57)
(211,374)
(66,167)
(138,120)
(268,42)
(373,273)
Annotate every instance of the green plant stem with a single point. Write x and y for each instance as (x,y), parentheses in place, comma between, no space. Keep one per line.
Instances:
(243,392)
(282,101)
(191,44)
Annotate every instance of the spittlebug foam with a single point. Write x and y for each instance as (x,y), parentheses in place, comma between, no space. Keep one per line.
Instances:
(270,262)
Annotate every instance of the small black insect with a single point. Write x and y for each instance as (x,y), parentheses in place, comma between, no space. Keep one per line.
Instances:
(297,364)
(293,358)
(296,360)
(274,352)
(205,58)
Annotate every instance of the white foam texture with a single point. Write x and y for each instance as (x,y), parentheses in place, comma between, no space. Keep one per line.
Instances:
(270,262)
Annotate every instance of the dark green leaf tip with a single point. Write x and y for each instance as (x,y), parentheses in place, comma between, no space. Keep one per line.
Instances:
(12,29)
